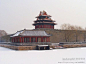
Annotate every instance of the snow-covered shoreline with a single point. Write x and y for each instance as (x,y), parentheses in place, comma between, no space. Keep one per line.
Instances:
(8,56)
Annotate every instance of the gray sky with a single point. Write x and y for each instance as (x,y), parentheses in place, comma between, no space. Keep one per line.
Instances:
(16,15)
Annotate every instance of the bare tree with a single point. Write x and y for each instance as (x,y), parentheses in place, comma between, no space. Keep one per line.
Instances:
(68,32)
(67,35)
(70,27)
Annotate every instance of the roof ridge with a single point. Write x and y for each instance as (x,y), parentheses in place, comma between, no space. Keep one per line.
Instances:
(22,32)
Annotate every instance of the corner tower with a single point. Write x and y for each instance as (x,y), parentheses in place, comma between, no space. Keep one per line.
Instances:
(44,21)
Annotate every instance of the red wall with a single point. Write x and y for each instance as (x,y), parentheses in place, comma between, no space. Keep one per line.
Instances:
(21,39)
(44,26)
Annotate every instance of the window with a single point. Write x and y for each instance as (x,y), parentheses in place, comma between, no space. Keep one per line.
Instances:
(18,39)
(25,40)
(33,39)
(28,40)
(44,39)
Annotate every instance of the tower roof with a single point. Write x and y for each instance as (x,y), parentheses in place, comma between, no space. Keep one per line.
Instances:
(44,21)
(43,13)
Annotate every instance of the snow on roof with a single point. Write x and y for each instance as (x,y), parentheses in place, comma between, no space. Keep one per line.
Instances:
(43,15)
(34,33)
(42,45)
(30,33)
(16,34)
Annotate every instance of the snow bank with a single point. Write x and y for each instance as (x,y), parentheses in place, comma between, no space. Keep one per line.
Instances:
(55,56)
(5,49)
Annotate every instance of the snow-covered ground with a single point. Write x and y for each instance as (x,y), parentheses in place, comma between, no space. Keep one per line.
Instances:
(56,56)
(4,49)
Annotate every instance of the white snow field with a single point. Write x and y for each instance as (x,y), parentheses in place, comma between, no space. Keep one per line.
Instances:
(56,56)
(5,49)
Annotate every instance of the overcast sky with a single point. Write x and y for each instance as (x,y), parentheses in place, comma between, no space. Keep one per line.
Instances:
(16,15)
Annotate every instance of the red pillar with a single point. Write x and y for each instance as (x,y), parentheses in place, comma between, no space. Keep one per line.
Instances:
(50,26)
(20,39)
(53,27)
(44,26)
(47,39)
(30,39)
(36,39)
(41,39)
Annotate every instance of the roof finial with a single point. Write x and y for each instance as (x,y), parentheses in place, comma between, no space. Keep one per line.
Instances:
(24,29)
(40,13)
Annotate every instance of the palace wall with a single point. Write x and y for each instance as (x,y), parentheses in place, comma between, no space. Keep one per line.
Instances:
(65,35)
(60,35)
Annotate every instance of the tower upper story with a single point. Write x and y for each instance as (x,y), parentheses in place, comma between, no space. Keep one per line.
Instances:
(44,21)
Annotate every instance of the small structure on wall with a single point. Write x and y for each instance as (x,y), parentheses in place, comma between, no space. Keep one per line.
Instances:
(28,36)
(44,21)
